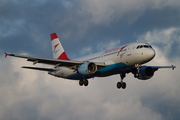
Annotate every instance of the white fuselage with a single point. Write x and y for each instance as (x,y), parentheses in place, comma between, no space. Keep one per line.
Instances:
(115,59)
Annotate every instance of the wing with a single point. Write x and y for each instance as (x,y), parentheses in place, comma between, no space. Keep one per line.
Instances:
(158,67)
(63,63)
(155,68)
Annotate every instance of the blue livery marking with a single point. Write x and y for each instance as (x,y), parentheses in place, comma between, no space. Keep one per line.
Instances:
(108,68)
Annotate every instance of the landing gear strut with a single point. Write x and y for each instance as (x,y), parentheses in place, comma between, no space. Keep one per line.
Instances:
(138,66)
(83,82)
(122,84)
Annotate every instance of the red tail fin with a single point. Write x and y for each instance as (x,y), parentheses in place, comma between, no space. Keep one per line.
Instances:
(58,51)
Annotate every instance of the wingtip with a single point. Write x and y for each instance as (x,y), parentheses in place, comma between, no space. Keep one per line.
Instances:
(173,67)
(5,54)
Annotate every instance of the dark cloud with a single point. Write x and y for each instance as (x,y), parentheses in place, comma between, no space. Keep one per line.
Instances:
(78,23)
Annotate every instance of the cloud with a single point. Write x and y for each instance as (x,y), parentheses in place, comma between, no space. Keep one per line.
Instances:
(100,47)
(168,40)
(28,94)
(104,46)
(86,50)
(104,12)
(27,24)
(166,44)
(88,26)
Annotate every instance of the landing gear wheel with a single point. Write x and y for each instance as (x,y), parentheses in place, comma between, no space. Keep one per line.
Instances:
(119,85)
(123,85)
(86,82)
(81,82)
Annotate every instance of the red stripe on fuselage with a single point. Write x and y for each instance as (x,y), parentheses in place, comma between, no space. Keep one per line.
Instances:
(63,56)
(121,50)
(53,36)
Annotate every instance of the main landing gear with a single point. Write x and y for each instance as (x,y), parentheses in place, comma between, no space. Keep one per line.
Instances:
(83,82)
(122,84)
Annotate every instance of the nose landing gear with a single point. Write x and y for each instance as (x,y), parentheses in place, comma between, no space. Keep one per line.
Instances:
(138,66)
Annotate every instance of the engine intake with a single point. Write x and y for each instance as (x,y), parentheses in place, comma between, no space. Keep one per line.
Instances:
(87,68)
(144,73)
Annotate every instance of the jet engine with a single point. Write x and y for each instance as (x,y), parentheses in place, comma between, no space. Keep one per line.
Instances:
(144,73)
(87,68)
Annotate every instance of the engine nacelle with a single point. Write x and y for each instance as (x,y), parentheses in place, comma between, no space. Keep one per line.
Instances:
(144,73)
(87,68)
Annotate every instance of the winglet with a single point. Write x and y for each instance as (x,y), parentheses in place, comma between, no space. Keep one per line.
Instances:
(173,67)
(6,54)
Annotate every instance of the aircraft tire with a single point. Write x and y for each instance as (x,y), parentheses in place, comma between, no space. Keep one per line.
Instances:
(86,82)
(123,85)
(81,82)
(119,85)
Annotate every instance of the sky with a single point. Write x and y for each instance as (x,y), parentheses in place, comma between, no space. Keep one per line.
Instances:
(85,27)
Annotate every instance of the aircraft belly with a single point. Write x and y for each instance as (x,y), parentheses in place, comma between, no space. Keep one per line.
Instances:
(62,72)
(113,67)
(75,76)
(68,74)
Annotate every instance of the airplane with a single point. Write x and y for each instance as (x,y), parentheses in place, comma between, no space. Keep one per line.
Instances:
(119,60)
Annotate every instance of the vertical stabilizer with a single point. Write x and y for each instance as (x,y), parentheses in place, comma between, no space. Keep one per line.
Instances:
(58,51)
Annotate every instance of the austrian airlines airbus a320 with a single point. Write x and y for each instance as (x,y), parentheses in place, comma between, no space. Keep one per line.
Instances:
(120,60)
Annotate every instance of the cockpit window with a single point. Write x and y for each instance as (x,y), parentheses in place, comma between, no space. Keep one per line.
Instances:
(150,46)
(146,46)
(143,46)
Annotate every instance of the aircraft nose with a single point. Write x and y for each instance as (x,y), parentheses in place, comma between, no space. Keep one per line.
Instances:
(151,53)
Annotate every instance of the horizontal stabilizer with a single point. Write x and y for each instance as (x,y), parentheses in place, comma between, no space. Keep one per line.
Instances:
(41,69)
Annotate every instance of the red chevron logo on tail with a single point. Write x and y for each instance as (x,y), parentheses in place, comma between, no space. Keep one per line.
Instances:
(55,47)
